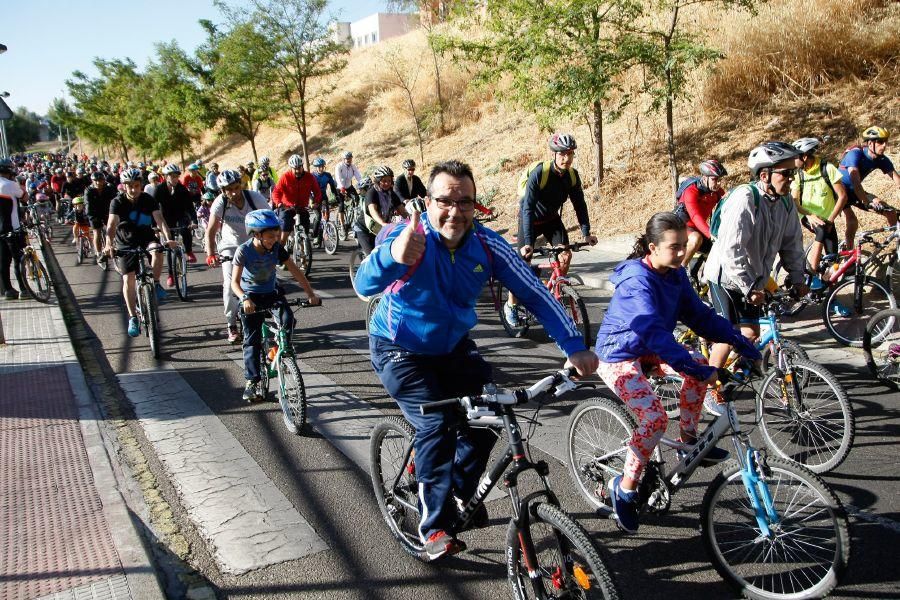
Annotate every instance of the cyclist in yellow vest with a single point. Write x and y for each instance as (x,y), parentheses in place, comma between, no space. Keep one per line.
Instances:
(820,197)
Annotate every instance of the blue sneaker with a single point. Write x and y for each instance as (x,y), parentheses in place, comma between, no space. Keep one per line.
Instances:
(841,310)
(625,506)
(161,294)
(816,283)
(134,327)
(511,314)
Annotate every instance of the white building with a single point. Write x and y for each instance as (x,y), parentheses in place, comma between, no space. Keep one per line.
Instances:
(375,28)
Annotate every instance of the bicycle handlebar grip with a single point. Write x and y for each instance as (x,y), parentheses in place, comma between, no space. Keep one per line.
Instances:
(570,372)
(306,303)
(430,407)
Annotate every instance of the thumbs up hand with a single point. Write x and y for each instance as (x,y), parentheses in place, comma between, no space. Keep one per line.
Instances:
(409,246)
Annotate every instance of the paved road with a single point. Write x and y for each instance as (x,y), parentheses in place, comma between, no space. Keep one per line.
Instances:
(322,473)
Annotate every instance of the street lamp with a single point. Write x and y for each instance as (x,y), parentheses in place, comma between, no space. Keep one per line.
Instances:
(4,149)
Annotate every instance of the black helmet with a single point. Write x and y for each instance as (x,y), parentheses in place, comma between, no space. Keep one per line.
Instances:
(409,164)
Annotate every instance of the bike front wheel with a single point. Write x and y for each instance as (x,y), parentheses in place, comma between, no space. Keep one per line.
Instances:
(881,344)
(517,324)
(844,318)
(806,417)
(356,257)
(292,395)
(79,251)
(370,309)
(568,564)
(35,278)
(330,237)
(151,318)
(393,473)
(807,550)
(574,306)
(302,251)
(179,268)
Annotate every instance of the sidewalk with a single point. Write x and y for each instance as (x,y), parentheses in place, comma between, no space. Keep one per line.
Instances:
(65,530)
(593,267)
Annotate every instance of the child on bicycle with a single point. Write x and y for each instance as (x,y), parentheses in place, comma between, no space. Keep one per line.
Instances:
(79,219)
(652,293)
(203,211)
(253,282)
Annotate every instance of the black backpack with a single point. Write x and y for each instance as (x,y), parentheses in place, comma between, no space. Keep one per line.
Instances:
(680,209)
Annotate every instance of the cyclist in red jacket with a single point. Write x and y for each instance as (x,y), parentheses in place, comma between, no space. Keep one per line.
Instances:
(290,196)
(697,202)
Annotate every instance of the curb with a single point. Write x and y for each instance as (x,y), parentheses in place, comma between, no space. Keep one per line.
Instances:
(137,562)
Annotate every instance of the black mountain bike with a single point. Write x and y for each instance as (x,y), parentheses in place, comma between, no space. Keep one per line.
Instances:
(147,304)
(548,554)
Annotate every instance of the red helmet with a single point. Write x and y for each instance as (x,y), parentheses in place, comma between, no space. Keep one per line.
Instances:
(713,168)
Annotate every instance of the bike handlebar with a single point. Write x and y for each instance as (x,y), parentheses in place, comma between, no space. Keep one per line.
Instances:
(560,382)
(550,250)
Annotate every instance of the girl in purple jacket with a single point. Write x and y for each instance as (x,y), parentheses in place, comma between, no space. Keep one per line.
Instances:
(653,293)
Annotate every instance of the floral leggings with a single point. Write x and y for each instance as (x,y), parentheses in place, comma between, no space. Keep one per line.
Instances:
(629,383)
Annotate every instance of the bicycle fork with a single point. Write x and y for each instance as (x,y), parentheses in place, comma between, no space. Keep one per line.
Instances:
(757,489)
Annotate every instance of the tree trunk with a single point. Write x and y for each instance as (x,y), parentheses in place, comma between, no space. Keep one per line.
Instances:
(670,100)
(181,151)
(253,146)
(597,118)
(437,89)
(125,151)
(302,129)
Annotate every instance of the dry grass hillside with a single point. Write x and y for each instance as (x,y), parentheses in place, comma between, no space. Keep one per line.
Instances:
(826,68)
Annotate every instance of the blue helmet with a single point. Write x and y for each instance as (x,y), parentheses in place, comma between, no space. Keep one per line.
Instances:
(319,162)
(260,220)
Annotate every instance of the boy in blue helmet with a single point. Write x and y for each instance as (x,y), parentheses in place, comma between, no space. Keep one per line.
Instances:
(253,282)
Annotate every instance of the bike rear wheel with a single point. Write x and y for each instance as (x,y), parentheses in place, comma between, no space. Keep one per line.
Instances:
(35,278)
(330,237)
(399,504)
(574,306)
(810,545)
(881,344)
(151,317)
(568,563)
(596,445)
(292,395)
(810,420)
(844,320)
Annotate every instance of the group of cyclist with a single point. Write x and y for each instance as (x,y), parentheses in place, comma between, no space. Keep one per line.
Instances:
(433,265)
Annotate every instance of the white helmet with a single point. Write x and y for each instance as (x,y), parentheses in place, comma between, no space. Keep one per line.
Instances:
(228,177)
(768,155)
(807,145)
(295,161)
(171,169)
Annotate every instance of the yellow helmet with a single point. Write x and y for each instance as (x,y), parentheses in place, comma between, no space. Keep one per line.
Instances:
(876,133)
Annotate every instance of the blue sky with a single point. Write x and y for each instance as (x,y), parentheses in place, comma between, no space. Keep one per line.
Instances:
(48,39)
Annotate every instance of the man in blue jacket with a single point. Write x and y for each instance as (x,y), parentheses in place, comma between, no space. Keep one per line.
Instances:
(433,271)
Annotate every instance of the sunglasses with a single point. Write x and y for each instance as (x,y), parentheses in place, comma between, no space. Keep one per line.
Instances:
(787,173)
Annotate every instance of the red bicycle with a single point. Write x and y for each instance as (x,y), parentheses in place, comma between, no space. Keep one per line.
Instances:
(558,285)
(848,298)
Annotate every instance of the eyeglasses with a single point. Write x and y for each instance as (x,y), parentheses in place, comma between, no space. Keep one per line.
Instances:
(786,173)
(464,204)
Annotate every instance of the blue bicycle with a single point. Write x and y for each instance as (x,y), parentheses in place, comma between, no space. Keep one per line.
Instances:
(803,411)
(772,528)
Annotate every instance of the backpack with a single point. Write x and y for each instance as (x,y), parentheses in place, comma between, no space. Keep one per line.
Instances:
(680,209)
(247,199)
(545,176)
(716,219)
(848,149)
(399,283)
(823,168)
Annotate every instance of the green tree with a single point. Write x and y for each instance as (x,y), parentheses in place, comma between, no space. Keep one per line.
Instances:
(104,103)
(180,110)
(233,66)
(557,58)
(668,55)
(22,130)
(298,39)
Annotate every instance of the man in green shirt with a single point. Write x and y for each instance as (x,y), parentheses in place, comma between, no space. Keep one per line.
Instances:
(820,197)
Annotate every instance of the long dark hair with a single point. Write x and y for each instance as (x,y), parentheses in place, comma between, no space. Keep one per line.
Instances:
(657,226)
